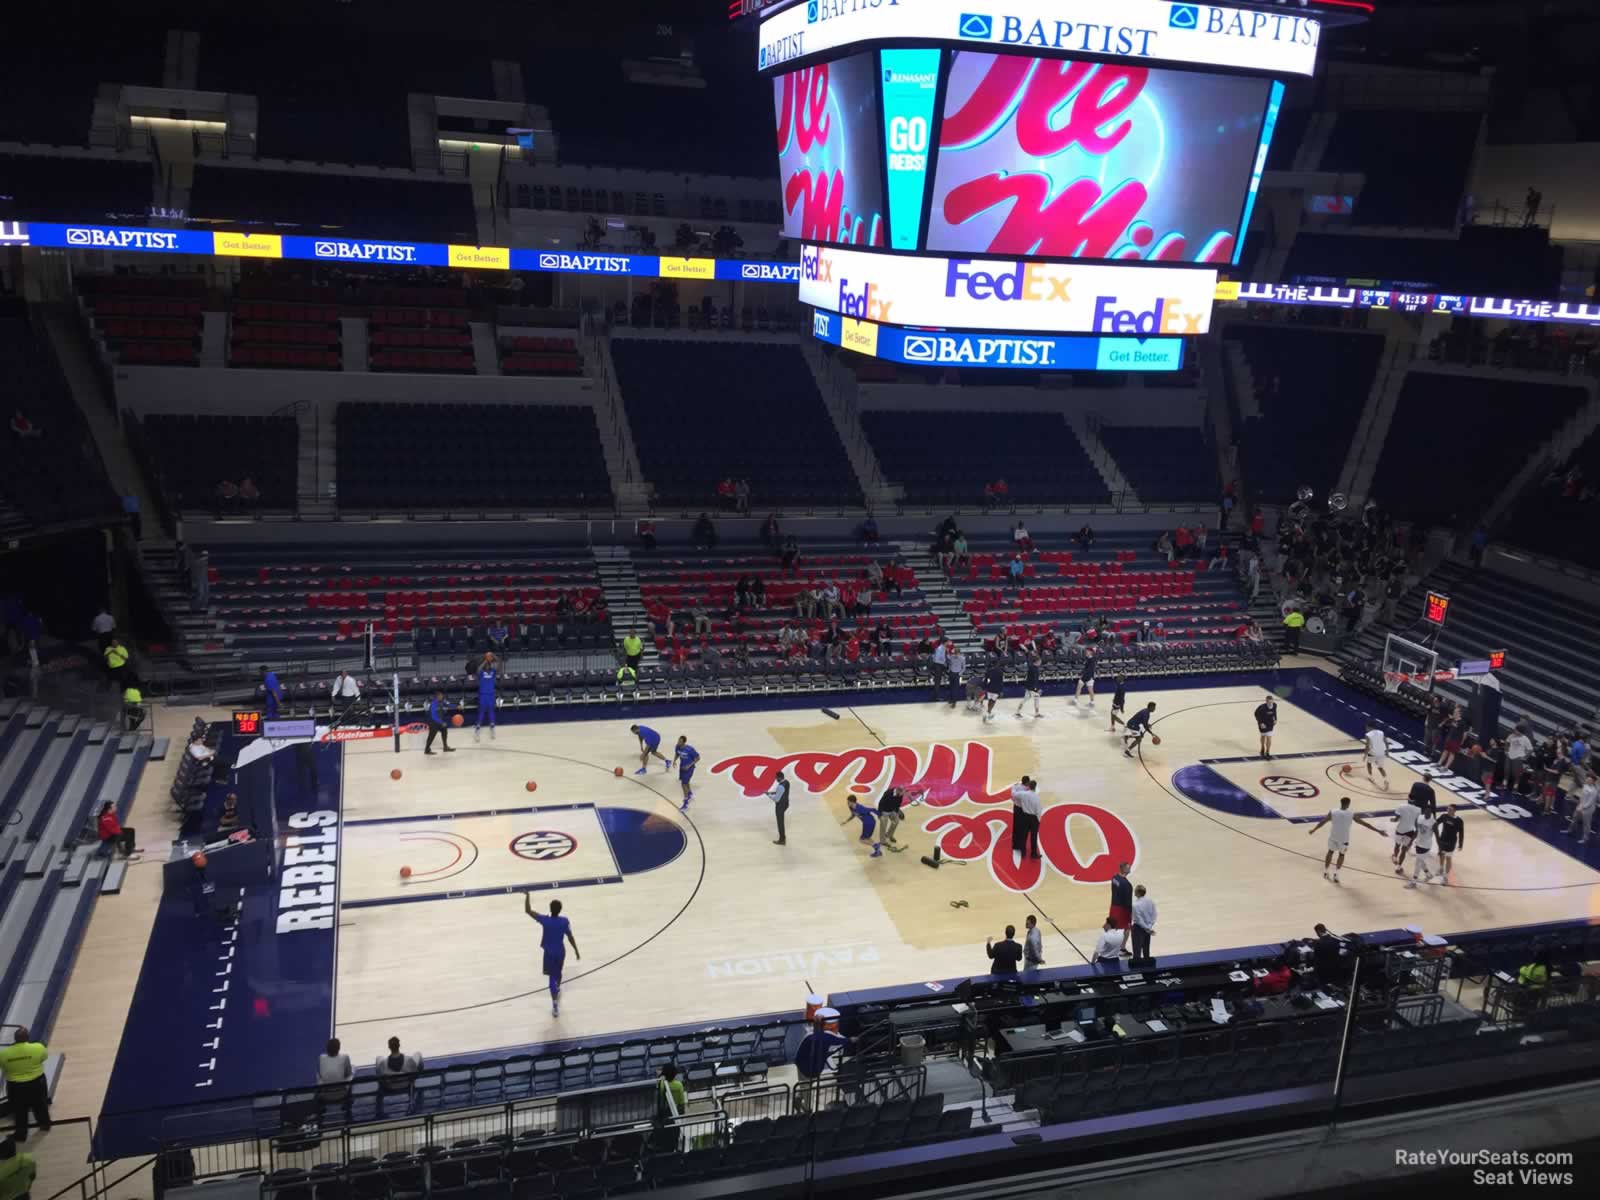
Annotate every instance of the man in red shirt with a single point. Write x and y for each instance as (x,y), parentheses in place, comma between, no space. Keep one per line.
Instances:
(1275,982)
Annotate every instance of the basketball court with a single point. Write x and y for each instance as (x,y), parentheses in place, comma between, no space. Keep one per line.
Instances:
(699,917)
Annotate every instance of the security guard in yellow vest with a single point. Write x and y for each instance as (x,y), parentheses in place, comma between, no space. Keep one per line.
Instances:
(1293,622)
(22,1064)
(116,660)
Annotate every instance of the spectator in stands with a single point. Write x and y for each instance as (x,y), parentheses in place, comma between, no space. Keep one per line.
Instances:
(725,492)
(1225,505)
(249,493)
(1182,542)
(758,591)
(741,591)
(22,1065)
(498,635)
(1535,976)
(227,495)
(770,536)
(17,1172)
(868,531)
(1084,537)
(103,625)
(1200,534)
(111,833)
(1220,558)
(789,560)
(1002,491)
(1530,206)
(1005,956)
(704,534)
(198,750)
(228,818)
(130,509)
(1020,540)
(828,601)
(395,1063)
(1276,981)
(647,534)
(1015,571)
(1583,813)
(333,1065)
(700,618)
(1164,546)
(741,497)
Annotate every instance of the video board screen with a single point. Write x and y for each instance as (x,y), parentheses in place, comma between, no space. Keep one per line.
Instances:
(826,119)
(1063,158)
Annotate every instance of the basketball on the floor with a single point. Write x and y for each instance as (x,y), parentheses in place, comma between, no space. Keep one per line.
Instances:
(531,786)
(617,771)
(458,720)
(1344,770)
(405,872)
(395,774)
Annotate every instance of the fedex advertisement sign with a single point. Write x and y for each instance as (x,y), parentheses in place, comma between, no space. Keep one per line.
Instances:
(1147,30)
(1008,294)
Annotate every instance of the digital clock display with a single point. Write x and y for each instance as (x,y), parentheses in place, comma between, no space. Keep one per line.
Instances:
(1436,608)
(1497,659)
(247,724)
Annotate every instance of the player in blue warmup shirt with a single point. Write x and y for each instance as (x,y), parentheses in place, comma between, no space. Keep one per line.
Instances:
(438,725)
(686,756)
(869,822)
(649,743)
(553,929)
(488,672)
(274,691)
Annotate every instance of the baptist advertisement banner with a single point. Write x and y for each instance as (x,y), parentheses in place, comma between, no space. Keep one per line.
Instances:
(1014,294)
(111,237)
(997,350)
(1282,42)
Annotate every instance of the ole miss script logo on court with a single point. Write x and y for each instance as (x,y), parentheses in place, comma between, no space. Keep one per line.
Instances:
(542,845)
(1288,785)
(1081,842)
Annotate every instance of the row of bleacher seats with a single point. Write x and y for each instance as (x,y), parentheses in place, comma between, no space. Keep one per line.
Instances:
(943,457)
(1456,440)
(107,304)
(56,476)
(298,314)
(158,354)
(50,188)
(419,318)
(294,358)
(284,334)
(1311,387)
(1557,515)
(193,454)
(1164,464)
(429,361)
(422,339)
(701,411)
(496,456)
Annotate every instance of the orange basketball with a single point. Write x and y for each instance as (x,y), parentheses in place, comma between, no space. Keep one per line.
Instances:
(405,872)
(458,720)
(198,858)
(395,774)
(617,771)
(531,786)
(1345,770)
(1155,739)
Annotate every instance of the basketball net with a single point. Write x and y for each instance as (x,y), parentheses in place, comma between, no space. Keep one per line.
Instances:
(1393,679)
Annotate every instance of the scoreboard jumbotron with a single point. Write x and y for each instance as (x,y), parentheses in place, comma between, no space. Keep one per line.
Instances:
(985,185)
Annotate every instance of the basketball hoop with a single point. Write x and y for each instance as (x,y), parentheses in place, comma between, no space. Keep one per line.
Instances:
(1393,679)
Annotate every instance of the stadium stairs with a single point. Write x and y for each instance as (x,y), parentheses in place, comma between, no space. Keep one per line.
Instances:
(56,769)
(1552,649)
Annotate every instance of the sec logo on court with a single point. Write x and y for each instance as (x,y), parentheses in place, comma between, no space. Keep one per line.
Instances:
(543,845)
(1288,785)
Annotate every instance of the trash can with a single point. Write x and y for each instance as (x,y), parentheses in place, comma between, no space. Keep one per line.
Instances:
(912,1048)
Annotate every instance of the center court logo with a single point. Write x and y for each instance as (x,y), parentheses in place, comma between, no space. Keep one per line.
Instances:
(1184,16)
(543,845)
(1289,786)
(977,26)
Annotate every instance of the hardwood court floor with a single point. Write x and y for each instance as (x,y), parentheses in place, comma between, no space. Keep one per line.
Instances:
(734,925)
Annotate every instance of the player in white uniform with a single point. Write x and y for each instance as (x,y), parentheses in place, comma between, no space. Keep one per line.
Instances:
(1377,752)
(1341,818)
(1423,864)
(1405,832)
